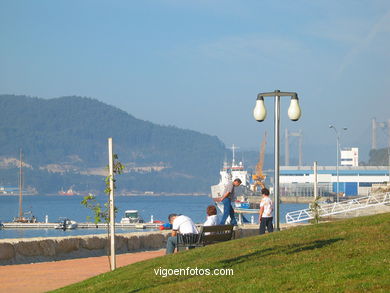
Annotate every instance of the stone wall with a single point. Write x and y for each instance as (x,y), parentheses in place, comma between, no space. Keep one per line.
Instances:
(29,250)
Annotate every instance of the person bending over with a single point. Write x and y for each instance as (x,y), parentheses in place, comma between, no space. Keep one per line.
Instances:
(180,224)
(227,199)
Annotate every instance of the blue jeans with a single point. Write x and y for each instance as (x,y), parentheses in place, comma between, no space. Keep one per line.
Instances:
(228,211)
(171,244)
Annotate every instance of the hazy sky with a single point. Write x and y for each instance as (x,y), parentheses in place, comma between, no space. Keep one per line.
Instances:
(200,64)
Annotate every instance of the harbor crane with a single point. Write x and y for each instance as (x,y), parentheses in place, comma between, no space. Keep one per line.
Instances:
(259,177)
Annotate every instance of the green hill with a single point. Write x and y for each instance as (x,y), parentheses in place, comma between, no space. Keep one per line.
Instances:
(64,141)
(346,256)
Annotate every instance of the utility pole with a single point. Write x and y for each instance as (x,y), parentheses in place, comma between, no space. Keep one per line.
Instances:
(20,185)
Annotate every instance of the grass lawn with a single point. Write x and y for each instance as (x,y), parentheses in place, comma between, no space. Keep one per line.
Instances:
(345,256)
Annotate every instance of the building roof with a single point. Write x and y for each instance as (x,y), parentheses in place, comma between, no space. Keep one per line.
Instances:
(343,170)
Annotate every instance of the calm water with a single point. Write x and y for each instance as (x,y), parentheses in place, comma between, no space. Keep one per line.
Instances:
(70,207)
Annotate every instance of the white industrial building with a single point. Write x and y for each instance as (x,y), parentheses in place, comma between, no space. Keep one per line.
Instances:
(353,180)
(349,157)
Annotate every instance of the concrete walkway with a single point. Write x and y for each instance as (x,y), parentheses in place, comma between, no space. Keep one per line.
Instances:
(42,277)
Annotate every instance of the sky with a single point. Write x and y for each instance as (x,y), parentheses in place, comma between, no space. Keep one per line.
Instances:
(199,65)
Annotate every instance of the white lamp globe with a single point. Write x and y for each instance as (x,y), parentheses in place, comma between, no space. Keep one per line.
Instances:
(294,111)
(259,112)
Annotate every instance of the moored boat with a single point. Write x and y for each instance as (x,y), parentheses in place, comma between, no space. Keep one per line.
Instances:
(23,217)
(66,224)
(131,216)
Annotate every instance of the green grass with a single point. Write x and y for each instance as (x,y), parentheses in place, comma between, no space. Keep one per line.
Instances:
(344,256)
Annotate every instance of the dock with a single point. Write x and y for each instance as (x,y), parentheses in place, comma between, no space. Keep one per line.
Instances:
(11,225)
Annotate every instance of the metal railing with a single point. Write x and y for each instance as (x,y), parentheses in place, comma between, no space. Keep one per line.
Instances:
(339,207)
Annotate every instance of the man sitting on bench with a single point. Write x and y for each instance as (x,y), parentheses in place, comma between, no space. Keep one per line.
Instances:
(181,224)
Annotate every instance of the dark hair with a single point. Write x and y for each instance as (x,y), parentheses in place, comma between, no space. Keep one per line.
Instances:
(171,216)
(211,210)
(265,191)
(237,180)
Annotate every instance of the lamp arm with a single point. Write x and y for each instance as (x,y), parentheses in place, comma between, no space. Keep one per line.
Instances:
(278,93)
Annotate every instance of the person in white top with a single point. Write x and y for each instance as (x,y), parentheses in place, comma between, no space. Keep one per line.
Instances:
(181,224)
(265,213)
(212,218)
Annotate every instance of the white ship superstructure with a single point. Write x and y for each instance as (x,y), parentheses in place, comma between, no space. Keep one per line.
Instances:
(242,193)
(230,173)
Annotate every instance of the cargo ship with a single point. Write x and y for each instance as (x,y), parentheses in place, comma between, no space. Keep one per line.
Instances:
(247,201)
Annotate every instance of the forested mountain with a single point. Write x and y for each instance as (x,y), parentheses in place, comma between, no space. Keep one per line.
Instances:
(64,141)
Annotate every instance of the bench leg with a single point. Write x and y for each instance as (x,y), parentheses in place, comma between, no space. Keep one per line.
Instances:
(180,248)
(183,248)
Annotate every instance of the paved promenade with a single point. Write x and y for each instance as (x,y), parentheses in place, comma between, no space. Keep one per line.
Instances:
(46,276)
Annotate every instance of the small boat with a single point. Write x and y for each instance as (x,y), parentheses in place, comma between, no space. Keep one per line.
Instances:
(242,204)
(131,216)
(27,218)
(66,224)
(23,217)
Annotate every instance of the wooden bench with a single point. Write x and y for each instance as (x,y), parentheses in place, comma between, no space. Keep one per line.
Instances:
(207,235)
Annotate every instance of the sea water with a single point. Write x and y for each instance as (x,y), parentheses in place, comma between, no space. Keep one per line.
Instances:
(70,207)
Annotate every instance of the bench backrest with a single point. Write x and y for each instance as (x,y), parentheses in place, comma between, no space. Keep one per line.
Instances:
(219,233)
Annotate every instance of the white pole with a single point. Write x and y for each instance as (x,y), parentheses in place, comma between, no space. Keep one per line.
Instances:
(388,149)
(112,214)
(21,186)
(337,167)
(388,158)
(315,180)
(300,158)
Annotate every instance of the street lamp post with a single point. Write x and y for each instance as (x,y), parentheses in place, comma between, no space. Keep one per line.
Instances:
(337,158)
(384,128)
(260,113)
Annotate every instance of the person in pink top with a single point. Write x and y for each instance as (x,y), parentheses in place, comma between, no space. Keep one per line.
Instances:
(265,213)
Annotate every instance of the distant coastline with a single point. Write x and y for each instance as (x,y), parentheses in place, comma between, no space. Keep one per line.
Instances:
(118,194)
(163,194)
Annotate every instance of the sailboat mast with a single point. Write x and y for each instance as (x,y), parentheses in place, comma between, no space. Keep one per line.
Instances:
(20,185)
